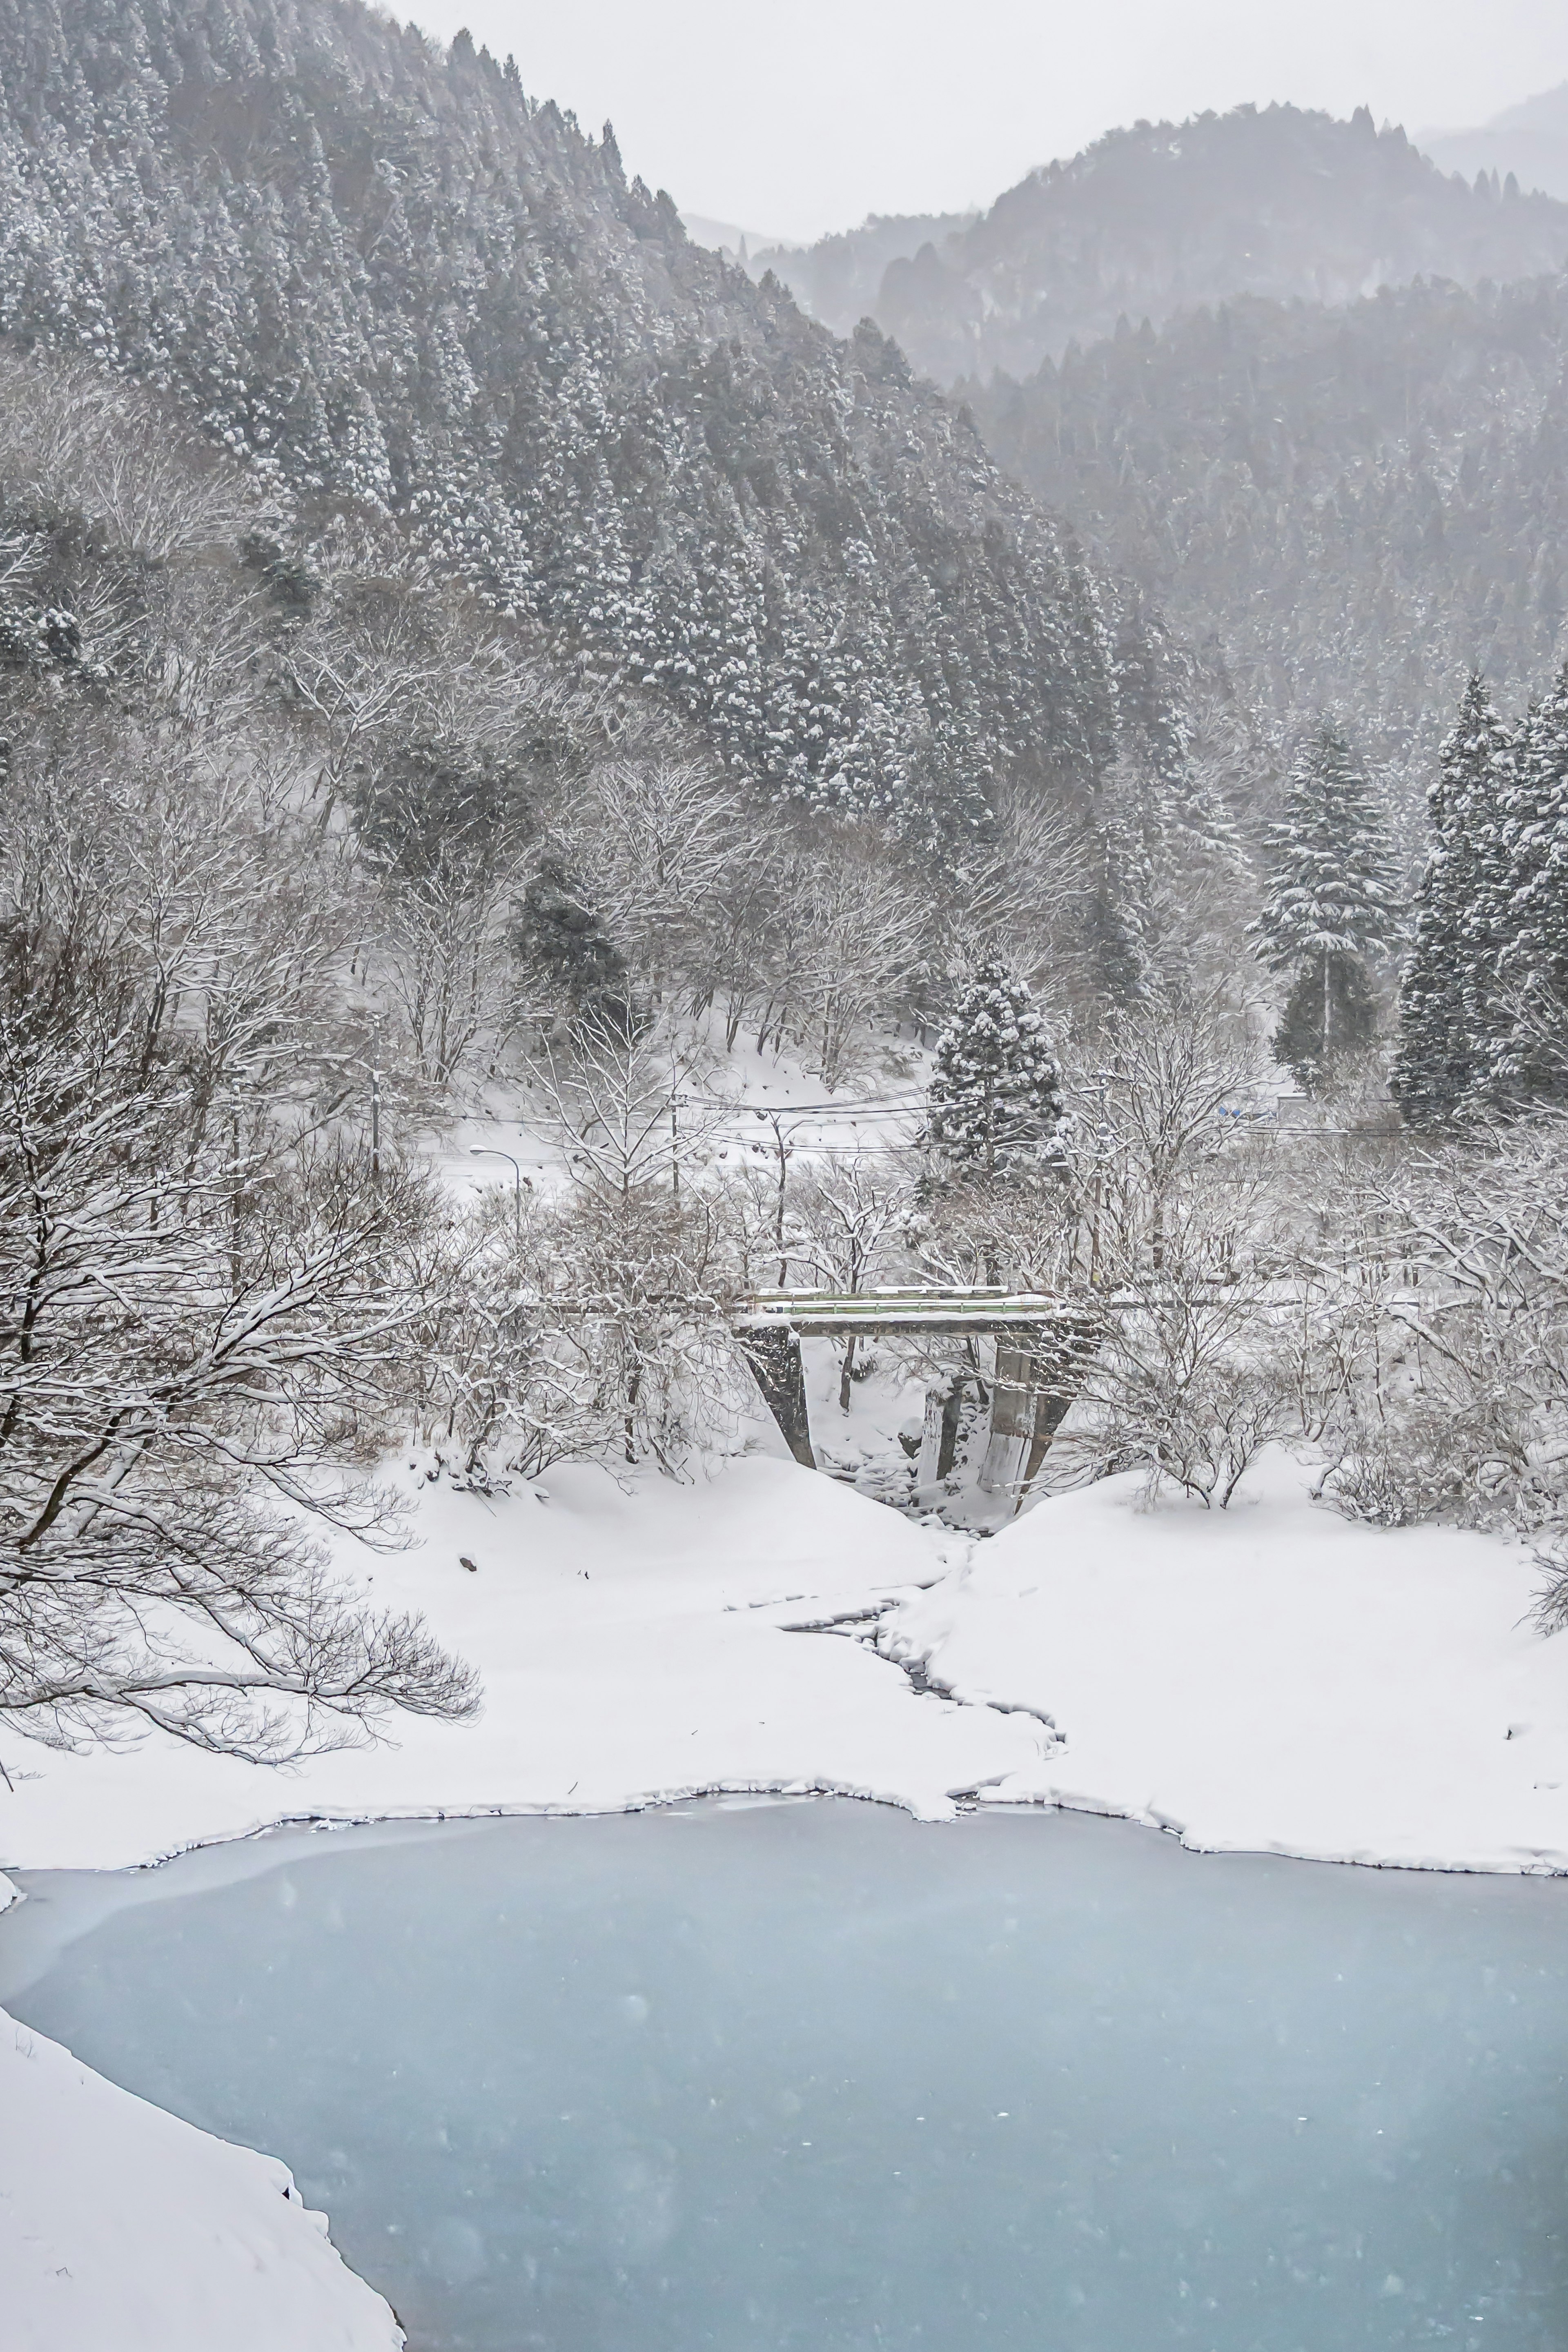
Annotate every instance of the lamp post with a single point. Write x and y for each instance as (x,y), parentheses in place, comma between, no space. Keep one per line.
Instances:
(490,1151)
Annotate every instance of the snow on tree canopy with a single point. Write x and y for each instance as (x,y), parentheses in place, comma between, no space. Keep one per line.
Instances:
(385,276)
(1330,882)
(1530,946)
(995,1092)
(1447,1011)
(1330,906)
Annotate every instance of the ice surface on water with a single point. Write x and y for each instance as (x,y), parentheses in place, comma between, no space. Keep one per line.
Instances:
(817,2078)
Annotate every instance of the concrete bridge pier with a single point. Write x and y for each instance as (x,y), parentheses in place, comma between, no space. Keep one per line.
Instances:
(775,1360)
(1037,1375)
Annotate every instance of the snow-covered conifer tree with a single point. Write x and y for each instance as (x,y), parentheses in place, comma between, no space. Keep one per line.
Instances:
(1447,1009)
(995,1092)
(1330,906)
(1530,1041)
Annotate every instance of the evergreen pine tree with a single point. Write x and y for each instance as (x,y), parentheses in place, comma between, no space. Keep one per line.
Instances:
(555,930)
(1447,1013)
(1330,906)
(386,281)
(1528,1060)
(996,1104)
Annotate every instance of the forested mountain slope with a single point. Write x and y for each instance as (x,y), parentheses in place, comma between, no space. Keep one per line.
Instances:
(1355,505)
(839,279)
(388,277)
(1164,218)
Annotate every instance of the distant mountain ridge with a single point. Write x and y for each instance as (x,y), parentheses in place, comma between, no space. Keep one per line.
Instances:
(1350,506)
(384,274)
(839,279)
(1168,217)
(1530,140)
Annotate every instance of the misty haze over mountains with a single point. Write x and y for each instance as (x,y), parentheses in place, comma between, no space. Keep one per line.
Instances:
(1531,141)
(1166,217)
(1300,384)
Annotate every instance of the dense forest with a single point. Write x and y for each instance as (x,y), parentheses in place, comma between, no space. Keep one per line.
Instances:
(1164,218)
(467,655)
(1349,507)
(391,279)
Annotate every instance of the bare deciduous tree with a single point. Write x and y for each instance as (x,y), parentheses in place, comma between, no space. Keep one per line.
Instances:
(852,1211)
(192,1332)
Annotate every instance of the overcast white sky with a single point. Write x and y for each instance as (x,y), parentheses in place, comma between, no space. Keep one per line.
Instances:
(805,117)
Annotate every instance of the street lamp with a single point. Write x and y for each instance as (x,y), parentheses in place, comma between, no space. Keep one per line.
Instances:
(490,1151)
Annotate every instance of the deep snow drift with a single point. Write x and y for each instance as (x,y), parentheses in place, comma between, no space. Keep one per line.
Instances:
(1271,1678)
(631,1648)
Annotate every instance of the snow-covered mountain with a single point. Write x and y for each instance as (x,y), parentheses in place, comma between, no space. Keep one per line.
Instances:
(1165,216)
(390,279)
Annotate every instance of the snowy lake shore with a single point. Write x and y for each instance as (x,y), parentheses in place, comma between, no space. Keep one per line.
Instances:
(1272,1678)
(119,2224)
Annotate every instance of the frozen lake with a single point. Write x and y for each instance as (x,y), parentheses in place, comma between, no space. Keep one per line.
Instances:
(813,2077)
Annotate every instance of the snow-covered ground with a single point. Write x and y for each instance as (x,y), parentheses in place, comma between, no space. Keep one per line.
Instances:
(1271,1678)
(633,1646)
(123,2227)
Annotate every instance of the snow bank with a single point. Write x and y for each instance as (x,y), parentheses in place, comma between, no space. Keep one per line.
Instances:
(634,1646)
(1272,1678)
(120,2226)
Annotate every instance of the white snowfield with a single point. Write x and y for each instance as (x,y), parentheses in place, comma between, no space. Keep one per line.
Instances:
(121,2229)
(1271,1678)
(631,1650)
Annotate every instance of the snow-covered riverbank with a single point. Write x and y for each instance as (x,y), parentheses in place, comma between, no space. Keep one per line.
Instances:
(120,2225)
(1271,1678)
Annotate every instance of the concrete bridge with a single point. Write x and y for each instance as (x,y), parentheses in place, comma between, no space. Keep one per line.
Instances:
(1043,1345)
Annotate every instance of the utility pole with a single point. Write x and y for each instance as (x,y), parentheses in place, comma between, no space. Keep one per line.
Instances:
(785,1153)
(1102,1154)
(375,1115)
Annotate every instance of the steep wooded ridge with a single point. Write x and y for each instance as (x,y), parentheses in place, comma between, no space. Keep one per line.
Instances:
(1165,217)
(1355,506)
(388,277)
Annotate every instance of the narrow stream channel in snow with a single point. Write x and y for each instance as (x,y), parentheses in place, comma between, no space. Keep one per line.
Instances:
(814,2077)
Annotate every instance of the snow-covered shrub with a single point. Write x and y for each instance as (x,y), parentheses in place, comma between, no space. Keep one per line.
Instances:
(1443,1292)
(592,1326)
(1189,1388)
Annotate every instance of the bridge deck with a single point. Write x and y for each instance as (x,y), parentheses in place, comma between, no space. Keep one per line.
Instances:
(941,1313)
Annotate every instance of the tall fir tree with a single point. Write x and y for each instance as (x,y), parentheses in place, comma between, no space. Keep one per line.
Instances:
(1447,1000)
(1330,907)
(1530,1041)
(995,1102)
